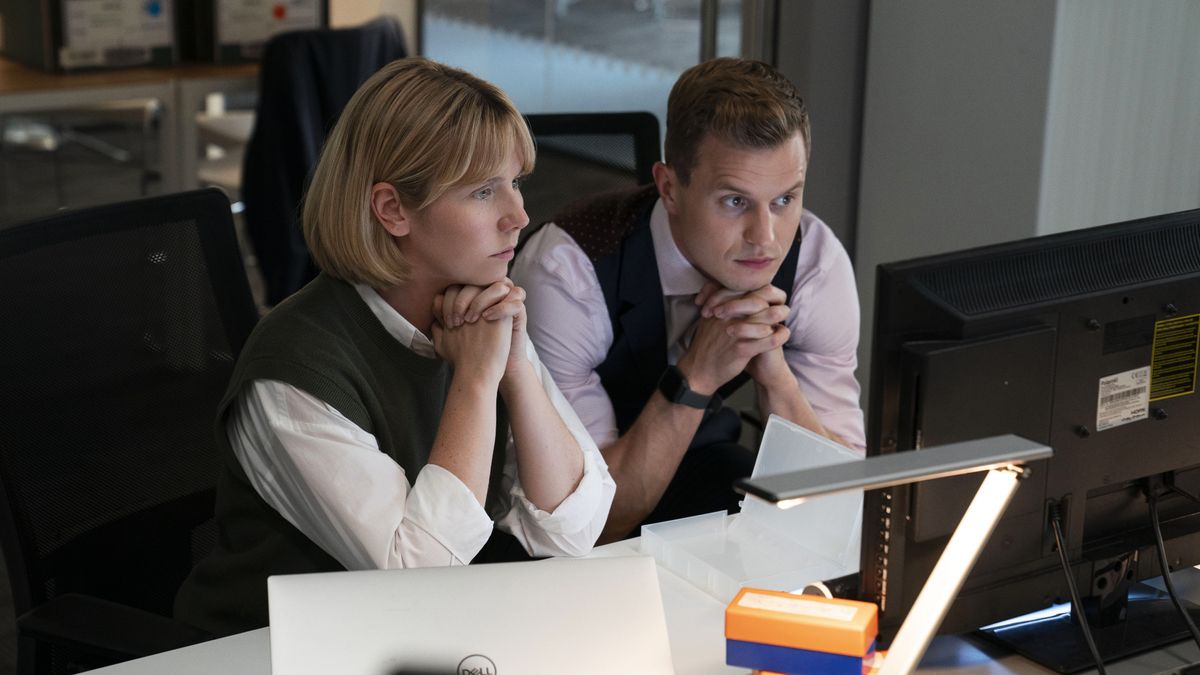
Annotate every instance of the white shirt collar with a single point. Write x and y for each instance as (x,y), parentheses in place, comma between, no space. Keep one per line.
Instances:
(675,273)
(395,324)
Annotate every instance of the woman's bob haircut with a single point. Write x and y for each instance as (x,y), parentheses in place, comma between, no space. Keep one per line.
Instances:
(420,126)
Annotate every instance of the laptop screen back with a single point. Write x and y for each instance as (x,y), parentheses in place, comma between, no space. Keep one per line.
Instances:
(594,616)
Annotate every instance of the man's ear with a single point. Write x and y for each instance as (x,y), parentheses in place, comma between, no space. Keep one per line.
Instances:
(667,182)
(389,210)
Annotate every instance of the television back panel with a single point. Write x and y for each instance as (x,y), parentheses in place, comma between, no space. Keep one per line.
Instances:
(234,31)
(1088,341)
(75,35)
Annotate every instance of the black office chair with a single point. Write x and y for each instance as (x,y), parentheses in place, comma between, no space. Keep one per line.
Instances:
(305,80)
(121,325)
(580,154)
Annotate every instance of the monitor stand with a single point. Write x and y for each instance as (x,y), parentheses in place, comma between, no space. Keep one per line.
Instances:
(1056,642)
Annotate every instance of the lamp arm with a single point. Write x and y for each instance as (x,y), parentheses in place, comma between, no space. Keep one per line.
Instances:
(951,569)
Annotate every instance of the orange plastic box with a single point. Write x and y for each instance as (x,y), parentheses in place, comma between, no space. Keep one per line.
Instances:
(814,623)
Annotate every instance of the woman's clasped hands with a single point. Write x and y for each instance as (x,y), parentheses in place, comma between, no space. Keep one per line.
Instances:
(480,330)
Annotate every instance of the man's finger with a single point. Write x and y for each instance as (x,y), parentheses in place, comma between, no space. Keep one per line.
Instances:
(717,298)
(771,294)
(771,315)
(743,330)
(740,307)
(708,289)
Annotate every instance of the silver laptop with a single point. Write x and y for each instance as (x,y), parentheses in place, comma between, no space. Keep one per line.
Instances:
(596,616)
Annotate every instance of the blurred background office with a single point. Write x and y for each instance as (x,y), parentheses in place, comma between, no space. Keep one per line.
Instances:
(937,124)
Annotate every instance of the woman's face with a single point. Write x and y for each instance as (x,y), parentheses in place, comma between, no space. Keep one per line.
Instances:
(469,234)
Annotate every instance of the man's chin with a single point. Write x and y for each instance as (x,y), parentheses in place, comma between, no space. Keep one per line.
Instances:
(747,280)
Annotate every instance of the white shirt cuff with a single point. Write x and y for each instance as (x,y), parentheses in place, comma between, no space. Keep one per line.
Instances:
(445,507)
(576,511)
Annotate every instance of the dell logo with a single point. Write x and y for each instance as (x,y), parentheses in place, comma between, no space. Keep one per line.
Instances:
(476,664)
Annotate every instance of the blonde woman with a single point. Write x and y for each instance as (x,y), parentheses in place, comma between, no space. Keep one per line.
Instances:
(393,411)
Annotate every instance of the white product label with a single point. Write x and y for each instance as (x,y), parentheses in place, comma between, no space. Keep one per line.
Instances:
(253,21)
(798,606)
(1123,398)
(99,25)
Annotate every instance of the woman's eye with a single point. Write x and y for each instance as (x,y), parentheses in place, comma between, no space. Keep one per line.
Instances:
(483,193)
(517,183)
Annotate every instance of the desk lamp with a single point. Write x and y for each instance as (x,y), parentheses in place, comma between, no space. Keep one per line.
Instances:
(1002,457)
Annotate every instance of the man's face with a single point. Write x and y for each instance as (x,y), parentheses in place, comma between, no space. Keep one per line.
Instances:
(737,216)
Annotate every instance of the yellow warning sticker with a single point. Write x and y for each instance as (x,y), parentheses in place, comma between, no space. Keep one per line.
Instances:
(1173,363)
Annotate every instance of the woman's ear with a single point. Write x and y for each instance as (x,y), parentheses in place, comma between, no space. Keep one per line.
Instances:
(389,211)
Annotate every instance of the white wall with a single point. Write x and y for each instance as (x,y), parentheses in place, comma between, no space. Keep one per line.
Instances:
(1123,127)
(355,12)
(953,131)
(821,48)
(995,120)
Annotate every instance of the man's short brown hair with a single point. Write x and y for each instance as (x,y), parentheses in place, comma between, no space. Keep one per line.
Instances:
(738,101)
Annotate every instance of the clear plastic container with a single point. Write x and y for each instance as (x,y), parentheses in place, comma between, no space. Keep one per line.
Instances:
(767,547)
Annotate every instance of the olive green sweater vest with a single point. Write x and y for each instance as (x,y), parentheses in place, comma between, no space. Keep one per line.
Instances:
(325,341)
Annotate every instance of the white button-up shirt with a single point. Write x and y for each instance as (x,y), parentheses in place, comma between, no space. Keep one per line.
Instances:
(328,478)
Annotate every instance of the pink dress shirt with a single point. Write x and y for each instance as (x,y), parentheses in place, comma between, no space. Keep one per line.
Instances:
(569,324)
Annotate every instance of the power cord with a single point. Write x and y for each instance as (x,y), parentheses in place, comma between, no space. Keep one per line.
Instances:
(1076,603)
(1184,493)
(1164,568)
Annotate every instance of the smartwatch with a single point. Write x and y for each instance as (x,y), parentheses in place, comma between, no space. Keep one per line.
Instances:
(674,387)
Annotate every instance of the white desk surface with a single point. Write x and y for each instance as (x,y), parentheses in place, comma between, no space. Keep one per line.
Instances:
(696,628)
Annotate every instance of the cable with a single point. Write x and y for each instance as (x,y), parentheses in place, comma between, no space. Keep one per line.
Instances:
(1184,493)
(1165,569)
(1076,603)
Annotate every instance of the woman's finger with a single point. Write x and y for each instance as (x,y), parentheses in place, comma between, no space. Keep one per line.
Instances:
(507,308)
(447,313)
(463,301)
(487,297)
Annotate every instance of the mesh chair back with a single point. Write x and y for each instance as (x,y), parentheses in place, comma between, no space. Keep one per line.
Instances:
(121,325)
(582,154)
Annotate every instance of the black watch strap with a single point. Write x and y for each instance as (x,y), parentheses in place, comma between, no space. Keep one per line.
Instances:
(674,387)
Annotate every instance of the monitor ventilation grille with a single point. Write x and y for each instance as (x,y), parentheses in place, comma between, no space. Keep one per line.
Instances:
(994,284)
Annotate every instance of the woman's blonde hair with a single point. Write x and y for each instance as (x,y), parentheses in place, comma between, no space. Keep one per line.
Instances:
(421,126)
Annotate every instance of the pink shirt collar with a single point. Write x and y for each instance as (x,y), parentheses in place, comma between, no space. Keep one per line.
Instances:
(675,273)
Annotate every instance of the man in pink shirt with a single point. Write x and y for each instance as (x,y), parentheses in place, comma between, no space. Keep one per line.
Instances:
(650,306)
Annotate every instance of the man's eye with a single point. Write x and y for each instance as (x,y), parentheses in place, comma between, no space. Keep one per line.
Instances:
(785,200)
(735,201)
